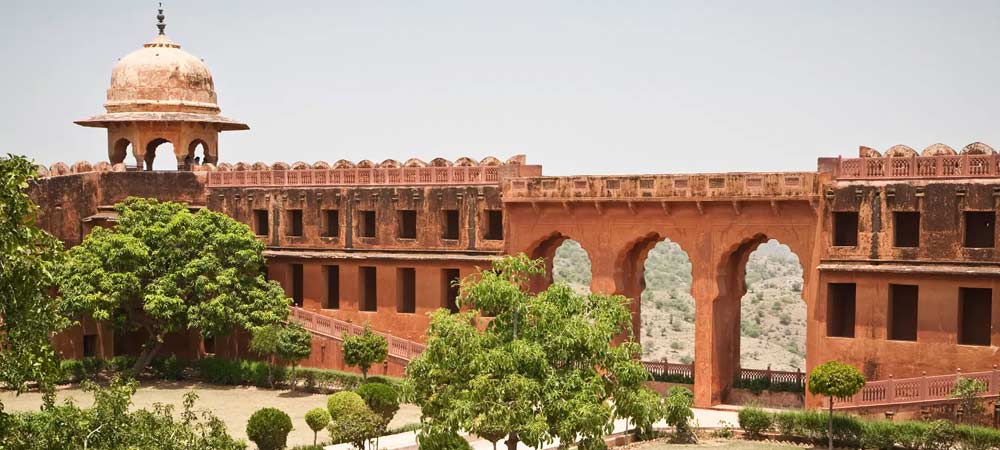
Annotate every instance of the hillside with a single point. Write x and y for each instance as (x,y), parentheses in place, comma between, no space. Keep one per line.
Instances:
(773,312)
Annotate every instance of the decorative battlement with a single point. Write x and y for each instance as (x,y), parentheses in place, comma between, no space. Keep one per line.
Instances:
(976,160)
(390,172)
(719,186)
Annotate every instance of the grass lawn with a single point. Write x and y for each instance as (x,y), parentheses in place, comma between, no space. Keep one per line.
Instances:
(727,445)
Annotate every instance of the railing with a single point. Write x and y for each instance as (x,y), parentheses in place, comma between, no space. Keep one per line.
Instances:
(916,390)
(460,175)
(664,369)
(944,166)
(728,186)
(660,369)
(338,329)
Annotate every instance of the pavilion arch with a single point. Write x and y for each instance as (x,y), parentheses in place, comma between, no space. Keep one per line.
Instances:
(630,273)
(119,151)
(198,153)
(545,248)
(150,156)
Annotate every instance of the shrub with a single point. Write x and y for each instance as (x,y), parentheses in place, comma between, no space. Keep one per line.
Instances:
(786,423)
(351,420)
(71,370)
(121,363)
(92,366)
(380,398)
(967,391)
(169,368)
(441,440)
(364,350)
(317,419)
(754,421)
(220,370)
(977,438)
(269,428)
(677,412)
(643,407)
(878,435)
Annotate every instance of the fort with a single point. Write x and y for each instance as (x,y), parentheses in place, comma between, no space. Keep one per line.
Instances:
(898,248)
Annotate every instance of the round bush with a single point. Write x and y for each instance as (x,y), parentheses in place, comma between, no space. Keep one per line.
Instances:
(317,419)
(268,428)
(344,404)
(441,440)
(755,421)
(381,398)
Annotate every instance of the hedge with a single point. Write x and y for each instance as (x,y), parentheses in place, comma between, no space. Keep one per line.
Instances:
(854,432)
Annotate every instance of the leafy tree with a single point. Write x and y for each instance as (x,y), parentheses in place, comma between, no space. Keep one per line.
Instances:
(28,256)
(317,419)
(269,428)
(678,413)
(835,379)
(364,350)
(264,342)
(543,368)
(351,420)
(294,345)
(163,269)
(967,391)
(382,400)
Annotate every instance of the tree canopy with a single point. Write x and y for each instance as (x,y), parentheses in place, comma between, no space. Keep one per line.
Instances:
(163,269)
(365,350)
(835,379)
(27,258)
(543,368)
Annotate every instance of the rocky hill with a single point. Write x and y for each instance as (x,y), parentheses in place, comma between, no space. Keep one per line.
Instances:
(773,312)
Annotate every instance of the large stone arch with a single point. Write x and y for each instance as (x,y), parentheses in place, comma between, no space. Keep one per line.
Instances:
(545,248)
(150,154)
(119,151)
(629,276)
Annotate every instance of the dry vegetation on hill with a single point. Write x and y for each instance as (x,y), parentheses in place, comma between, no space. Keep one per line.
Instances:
(773,312)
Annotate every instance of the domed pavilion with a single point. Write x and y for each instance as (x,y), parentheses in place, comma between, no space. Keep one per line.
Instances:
(161,93)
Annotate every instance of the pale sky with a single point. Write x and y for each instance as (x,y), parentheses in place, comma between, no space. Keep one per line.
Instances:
(582,87)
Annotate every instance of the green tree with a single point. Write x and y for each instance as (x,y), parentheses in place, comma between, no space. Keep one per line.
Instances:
(351,420)
(264,342)
(967,391)
(294,345)
(163,269)
(543,368)
(317,419)
(28,256)
(364,350)
(835,379)
(269,428)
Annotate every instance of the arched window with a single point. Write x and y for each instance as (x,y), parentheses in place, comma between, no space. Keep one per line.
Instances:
(120,151)
(166,161)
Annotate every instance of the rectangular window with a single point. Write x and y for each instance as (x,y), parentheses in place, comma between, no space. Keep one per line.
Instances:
(903,312)
(979,229)
(449,281)
(260,224)
(906,229)
(975,315)
(840,307)
(89,345)
(449,224)
(331,223)
(208,343)
(369,289)
(294,227)
(366,223)
(407,224)
(494,225)
(845,228)
(332,287)
(406,290)
(297,282)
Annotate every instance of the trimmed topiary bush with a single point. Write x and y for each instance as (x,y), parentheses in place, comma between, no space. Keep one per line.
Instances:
(755,421)
(317,419)
(351,420)
(344,403)
(441,440)
(835,379)
(380,398)
(269,428)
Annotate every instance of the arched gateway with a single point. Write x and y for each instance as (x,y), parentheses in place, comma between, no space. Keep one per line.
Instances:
(717,219)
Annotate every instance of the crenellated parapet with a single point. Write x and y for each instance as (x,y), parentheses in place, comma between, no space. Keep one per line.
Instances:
(976,160)
(79,167)
(489,170)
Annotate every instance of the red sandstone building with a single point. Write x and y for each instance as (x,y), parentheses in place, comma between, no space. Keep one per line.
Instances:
(899,249)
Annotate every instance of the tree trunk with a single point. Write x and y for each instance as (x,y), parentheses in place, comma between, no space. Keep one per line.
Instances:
(512,441)
(364,373)
(149,350)
(829,425)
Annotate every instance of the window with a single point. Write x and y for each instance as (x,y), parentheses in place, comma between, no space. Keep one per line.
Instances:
(840,307)
(975,309)
(449,224)
(979,228)
(845,228)
(407,224)
(906,229)
(332,287)
(494,225)
(406,290)
(902,312)
(294,223)
(449,286)
(89,345)
(208,342)
(366,224)
(369,289)
(331,223)
(297,284)
(260,225)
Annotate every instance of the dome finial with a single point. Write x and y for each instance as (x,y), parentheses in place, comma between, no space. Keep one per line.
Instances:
(159,18)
